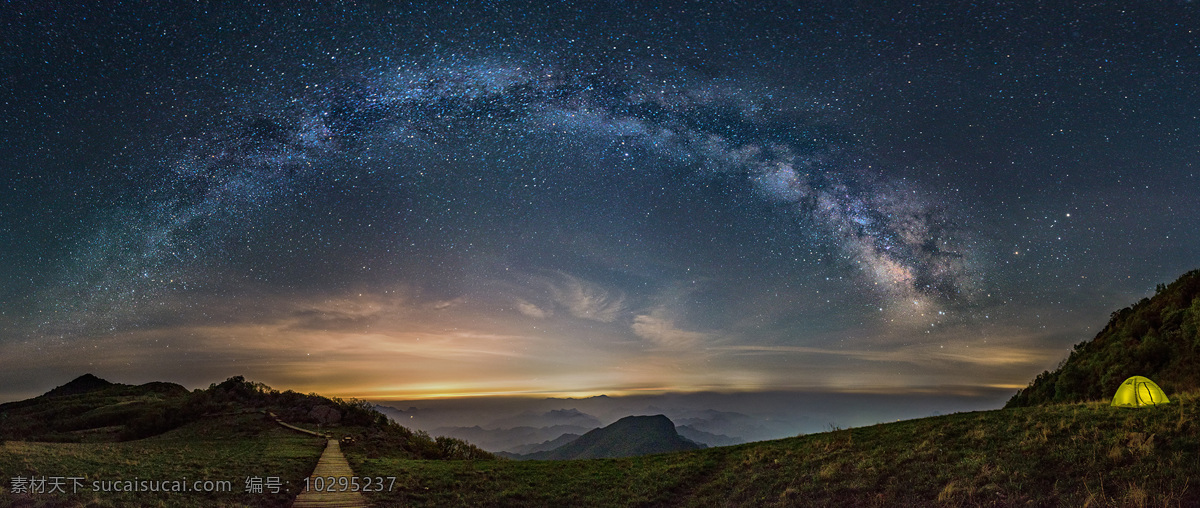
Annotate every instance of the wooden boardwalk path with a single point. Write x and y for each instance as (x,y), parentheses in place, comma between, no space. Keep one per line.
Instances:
(330,467)
(295,428)
(323,484)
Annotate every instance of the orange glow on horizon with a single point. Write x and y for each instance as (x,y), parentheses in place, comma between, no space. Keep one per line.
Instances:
(410,352)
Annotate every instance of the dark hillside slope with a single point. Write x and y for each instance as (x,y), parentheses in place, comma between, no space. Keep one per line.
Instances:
(90,409)
(87,409)
(82,384)
(1086,454)
(628,437)
(1158,337)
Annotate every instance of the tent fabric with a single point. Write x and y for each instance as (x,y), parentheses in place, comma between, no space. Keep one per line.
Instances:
(1138,391)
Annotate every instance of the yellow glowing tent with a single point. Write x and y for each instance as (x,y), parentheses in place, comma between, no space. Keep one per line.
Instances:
(1138,391)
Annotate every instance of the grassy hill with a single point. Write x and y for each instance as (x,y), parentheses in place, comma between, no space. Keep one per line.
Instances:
(1054,455)
(96,431)
(1084,454)
(1070,454)
(1158,337)
(90,409)
(225,448)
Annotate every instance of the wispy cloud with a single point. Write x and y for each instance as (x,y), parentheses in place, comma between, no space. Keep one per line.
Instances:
(663,332)
(994,356)
(585,299)
(532,310)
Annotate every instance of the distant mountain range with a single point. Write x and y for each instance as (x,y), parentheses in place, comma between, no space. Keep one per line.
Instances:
(707,438)
(534,431)
(720,428)
(556,417)
(510,440)
(628,437)
(544,446)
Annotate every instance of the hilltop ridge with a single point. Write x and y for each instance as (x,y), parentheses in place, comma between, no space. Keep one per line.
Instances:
(82,384)
(91,409)
(1157,337)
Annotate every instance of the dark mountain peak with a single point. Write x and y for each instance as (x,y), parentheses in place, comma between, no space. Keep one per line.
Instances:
(628,437)
(82,384)
(655,423)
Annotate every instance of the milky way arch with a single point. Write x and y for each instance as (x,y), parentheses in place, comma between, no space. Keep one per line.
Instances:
(905,247)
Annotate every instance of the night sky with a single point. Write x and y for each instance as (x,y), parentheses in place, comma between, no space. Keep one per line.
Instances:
(482,198)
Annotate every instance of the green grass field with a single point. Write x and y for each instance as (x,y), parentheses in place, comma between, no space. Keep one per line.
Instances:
(226,448)
(1068,455)
(1085,454)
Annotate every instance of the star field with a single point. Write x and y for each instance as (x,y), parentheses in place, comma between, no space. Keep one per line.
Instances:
(512,198)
